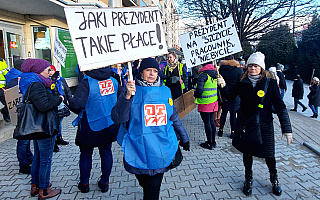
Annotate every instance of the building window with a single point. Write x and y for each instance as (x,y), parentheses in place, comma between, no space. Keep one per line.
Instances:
(142,3)
(160,6)
(42,43)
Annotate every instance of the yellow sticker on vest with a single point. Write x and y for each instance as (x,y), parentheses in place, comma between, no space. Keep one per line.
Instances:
(170,102)
(260,93)
(53,86)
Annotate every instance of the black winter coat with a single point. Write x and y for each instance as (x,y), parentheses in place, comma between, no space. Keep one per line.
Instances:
(42,98)
(85,135)
(282,80)
(231,72)
(297,88)
(249,105)
(314,95)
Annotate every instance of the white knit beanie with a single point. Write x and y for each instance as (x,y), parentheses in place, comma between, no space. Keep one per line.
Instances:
(258,59)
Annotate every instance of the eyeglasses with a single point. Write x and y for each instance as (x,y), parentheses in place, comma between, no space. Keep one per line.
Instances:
(49,70)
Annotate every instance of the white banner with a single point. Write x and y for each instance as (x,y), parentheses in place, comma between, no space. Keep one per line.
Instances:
(210,42)
(60,51)
(13,98)
(107,36)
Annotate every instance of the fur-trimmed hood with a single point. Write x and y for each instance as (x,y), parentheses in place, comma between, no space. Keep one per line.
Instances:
(230,63)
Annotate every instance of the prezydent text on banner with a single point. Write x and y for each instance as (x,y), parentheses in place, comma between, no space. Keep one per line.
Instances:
(210,42)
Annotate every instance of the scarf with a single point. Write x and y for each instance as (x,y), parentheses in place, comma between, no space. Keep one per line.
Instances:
(254,79)
(143,82)
(173,65)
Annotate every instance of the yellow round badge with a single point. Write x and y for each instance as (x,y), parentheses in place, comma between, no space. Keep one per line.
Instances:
(53,86)
(170,101)
(260,93)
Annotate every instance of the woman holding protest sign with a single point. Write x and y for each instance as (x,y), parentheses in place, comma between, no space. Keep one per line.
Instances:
(93,100)
(254,134)
(176,75)
(149,143)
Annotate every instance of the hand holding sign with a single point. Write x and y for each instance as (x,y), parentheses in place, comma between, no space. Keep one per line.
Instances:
(131,88)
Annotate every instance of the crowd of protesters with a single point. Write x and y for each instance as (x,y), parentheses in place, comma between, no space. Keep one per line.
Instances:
(109,106)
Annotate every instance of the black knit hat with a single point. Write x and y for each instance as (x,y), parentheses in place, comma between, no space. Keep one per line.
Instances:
(148,63)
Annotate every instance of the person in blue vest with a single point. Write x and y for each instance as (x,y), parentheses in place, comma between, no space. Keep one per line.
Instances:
(35,79)
(93,100)
(175,75)
(24,154)
(149,123)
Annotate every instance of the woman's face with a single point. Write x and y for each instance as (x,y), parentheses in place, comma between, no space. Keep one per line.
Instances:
(150,75)
(51,72)
(46,72)
(171,58)
(254,69)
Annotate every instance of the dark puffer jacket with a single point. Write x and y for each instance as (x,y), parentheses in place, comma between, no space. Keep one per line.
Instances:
(231,72)
(85,135)
(314,95)
(249,105)
(297,88)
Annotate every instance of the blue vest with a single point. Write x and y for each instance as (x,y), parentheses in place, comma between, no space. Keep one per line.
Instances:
(102,97)
(26,79)
(12,74)
(150,141)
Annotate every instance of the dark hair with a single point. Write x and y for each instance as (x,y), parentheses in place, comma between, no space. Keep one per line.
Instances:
(207,63)
(173,53)
(230,57)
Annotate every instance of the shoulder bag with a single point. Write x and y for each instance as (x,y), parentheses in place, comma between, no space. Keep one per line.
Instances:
(250,131)
(33,124)
(177,159)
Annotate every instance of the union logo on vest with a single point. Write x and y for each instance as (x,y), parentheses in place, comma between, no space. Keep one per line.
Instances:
(155,114)
(106,87)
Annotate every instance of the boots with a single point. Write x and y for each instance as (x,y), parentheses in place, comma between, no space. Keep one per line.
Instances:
(56,148)
(34,190)
(220,133)
(232,133)
(48,193)
(61,141)
(276,189)
(247,187)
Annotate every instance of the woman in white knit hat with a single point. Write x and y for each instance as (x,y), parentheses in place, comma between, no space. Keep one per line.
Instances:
(257,93)
(314,96)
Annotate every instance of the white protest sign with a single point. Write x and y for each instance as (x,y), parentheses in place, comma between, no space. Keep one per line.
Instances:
(13,98)
(210,42)
(107,36)
(60,51)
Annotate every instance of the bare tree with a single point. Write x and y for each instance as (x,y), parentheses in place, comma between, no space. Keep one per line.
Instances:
(251,17)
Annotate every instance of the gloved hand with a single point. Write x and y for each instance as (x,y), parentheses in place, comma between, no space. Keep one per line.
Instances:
(220,81)
(185,146)
(289,137)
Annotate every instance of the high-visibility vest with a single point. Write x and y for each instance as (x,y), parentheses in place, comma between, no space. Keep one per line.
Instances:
(181,73)
(3,72)
(209,94)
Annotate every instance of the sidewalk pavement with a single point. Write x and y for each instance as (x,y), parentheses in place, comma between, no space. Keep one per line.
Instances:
(203,174)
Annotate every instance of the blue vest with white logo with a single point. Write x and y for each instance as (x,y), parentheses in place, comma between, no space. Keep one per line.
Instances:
(102,97)
(150,141)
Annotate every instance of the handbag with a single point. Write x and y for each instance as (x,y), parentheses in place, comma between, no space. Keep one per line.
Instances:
(177,159)
(33,124)
(250,130)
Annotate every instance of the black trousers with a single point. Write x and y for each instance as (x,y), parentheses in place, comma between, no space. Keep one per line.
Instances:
(151,185)
(248,160)
(233,119)
(209,126)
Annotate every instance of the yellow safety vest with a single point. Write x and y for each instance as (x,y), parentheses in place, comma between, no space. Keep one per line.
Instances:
(3,72)
(181,73)
(209,94)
